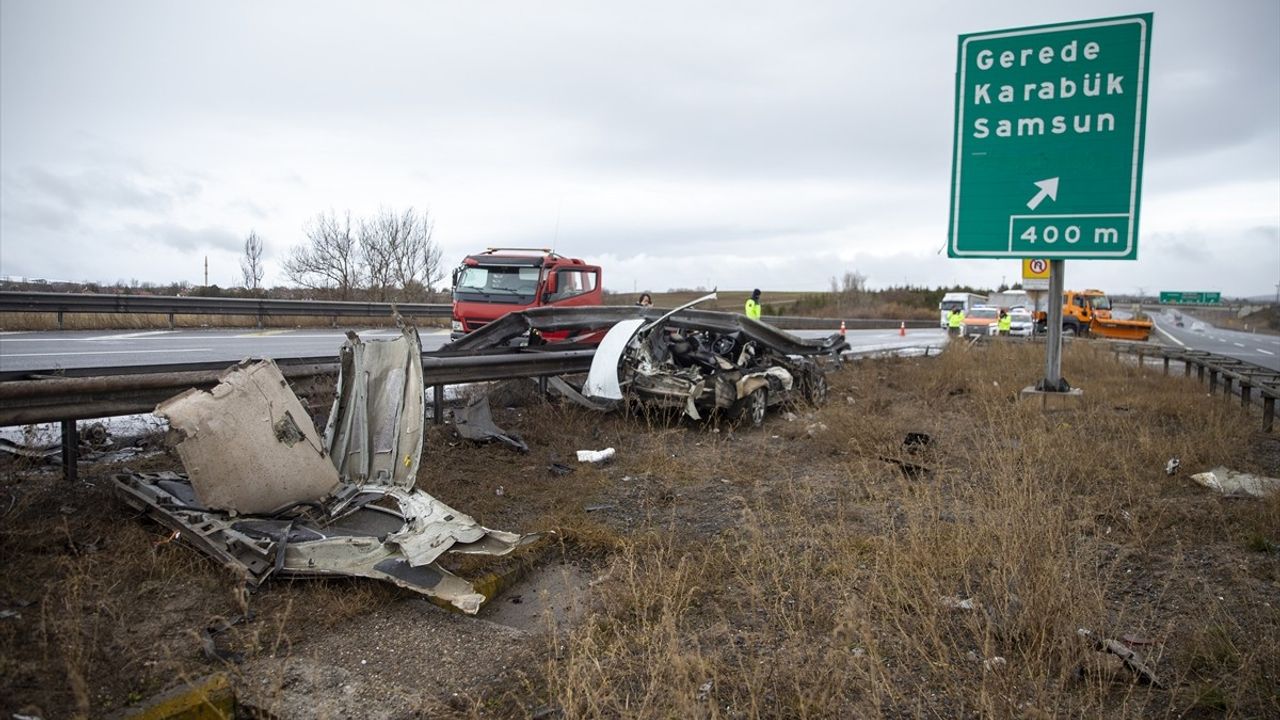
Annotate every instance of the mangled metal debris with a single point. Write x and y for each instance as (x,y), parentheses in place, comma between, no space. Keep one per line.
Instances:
(701,362)
(1231,483)
(474,422)
(264,496)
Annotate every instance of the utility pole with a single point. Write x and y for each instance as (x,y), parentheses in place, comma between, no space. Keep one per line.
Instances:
(206,271)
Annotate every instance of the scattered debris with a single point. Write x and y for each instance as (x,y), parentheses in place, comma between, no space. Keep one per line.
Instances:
(910,471)
(704,690)
(596,456)
(1131,658)
(994,663)
(917,441)
(264,496)
(475,422)
(1237,484)
(7,614)
(598,508)
(560,469)
(956,603)
(1172,466)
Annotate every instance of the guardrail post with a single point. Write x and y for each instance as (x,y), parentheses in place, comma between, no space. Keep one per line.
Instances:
(1186,367)
(1246,394)
(259,319)
(59,319)
(1166,366)
(1268,413)
(1226,386)
(70,449)
(1213,380)
(437,404)
(1200,372)
(170,321)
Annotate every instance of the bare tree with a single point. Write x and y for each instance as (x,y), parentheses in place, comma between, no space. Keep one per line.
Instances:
(329,259)
(251,263)
(849,289)
(401,258)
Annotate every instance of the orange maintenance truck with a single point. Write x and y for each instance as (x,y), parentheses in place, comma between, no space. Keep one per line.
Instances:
(1088,312)
(490,284)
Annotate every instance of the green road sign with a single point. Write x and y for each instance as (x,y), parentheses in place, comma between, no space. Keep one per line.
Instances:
(1173,297)
(1050,123)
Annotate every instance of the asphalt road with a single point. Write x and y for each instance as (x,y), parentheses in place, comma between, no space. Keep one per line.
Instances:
(24,351)
(1257,348)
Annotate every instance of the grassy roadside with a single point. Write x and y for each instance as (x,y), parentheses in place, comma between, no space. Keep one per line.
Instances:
(792,571)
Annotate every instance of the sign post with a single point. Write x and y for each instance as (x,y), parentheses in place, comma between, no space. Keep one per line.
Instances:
(1050,127)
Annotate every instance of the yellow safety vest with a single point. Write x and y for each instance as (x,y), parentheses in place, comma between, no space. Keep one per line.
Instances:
(753,309)
(955,320)
(1006,323)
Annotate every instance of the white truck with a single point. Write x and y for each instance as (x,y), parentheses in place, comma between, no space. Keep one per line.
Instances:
(958,300)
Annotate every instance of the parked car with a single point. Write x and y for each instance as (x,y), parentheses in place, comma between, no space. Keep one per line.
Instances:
(981,321)
(1022,324)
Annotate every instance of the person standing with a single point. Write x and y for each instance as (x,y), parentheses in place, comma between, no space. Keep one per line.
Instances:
(955,321)
(1005,324)
(645,300)
(753,305)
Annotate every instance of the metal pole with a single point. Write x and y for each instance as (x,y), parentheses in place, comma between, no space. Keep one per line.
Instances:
(1053,348)
(70,450)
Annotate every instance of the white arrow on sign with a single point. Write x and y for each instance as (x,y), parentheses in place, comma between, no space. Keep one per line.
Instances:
(1048,189)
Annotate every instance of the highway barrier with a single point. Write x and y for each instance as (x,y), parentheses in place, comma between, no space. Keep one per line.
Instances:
(261,308)
(1236,376)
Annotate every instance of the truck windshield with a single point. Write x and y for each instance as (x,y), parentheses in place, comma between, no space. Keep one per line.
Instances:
(498,284)
(949,305)
(1100,302)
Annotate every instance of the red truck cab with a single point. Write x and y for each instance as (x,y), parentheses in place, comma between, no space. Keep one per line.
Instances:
(491,284)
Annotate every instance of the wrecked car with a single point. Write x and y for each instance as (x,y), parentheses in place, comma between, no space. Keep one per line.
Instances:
(265,495)
(703,363)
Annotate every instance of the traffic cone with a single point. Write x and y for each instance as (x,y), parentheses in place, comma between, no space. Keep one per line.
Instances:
(841,328)
(902,329)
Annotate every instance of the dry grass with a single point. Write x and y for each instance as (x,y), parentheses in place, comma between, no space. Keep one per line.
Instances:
(791,571)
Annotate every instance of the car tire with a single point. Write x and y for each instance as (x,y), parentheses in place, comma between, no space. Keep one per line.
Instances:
(1071,330)
(752,408)
(817,389)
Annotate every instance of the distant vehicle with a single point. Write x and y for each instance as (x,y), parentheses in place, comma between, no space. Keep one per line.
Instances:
(1197,326)
(980,321)
(1021,322)
(492,283)
(964,302)
(1088,312)
(1179,323)
(1009,299)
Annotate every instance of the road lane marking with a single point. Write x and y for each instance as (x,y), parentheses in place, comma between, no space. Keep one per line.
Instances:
(1239,345)
(107,352)
(132,336)
(1171,337)
(1268,352)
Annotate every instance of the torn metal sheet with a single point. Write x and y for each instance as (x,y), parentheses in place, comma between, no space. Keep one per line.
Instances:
(373,531)
(475,422)
(264,497)
(374,433)
(565,390)
(1237,484)
(248,443)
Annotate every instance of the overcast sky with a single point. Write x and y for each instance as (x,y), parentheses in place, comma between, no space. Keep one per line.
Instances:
(677,144)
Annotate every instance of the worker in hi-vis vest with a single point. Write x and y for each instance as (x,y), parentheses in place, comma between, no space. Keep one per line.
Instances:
(955,321)
(1005,323)
(753,305)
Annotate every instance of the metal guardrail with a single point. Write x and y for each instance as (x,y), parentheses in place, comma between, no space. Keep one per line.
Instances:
(47,397)
(1246,377)
(101,303)
(62,303)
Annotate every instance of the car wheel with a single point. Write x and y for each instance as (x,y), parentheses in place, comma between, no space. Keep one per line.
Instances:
(816,389)
(752,407)
(1070,330)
